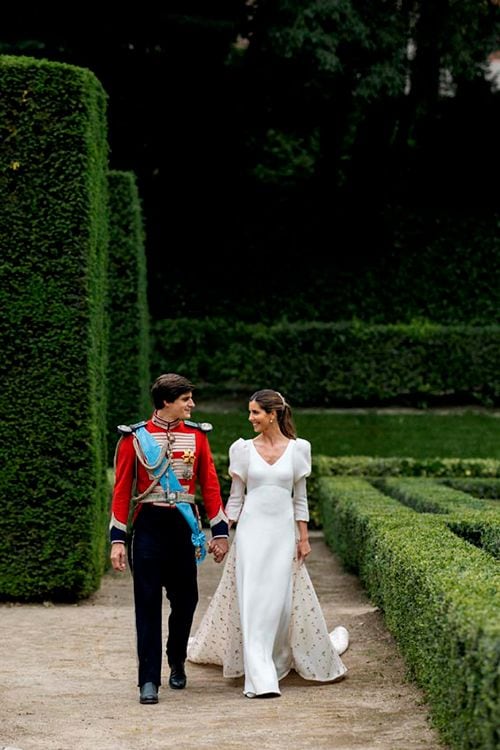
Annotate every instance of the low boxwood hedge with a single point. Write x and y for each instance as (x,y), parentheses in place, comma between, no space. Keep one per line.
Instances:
(440,597)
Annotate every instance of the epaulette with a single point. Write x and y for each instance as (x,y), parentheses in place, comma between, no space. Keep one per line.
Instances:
(128,429)
(203,426)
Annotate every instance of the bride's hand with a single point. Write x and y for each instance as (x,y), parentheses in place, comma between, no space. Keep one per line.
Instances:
(303,549)
(218,547)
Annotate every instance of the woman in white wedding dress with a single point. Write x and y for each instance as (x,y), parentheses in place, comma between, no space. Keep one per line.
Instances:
(264,618)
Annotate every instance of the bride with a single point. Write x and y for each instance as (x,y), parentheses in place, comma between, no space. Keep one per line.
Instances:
(265,618)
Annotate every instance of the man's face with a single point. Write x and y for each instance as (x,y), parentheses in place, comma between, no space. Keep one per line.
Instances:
(181,407)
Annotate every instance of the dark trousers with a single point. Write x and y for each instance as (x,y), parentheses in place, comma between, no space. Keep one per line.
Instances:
(162,556)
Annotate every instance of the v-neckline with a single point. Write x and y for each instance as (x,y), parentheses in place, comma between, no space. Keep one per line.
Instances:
(277,460)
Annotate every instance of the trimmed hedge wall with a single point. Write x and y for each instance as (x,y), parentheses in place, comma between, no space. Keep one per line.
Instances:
(128,371)
(53,331)
(377,466)
(475,520)
(479,487)
(335,363)
(440,597)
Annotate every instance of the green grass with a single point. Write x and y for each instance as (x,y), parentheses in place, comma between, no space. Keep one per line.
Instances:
(422,435)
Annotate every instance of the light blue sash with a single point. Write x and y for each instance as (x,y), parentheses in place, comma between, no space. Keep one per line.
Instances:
(169,482)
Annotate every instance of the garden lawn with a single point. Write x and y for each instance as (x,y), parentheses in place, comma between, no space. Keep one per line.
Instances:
(467,434)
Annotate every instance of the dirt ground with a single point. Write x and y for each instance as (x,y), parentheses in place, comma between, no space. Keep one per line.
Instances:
(68,680)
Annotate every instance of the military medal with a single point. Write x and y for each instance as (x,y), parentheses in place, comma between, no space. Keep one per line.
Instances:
(188,458)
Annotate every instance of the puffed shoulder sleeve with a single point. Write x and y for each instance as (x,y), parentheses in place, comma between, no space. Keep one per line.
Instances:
(238,459)
(301,460)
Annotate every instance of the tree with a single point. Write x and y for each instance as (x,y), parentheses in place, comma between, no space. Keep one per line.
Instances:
(257,129)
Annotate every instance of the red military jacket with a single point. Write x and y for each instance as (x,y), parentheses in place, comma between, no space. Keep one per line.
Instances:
(192,463)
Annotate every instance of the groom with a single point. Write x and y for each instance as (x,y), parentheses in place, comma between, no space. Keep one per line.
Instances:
(162,460)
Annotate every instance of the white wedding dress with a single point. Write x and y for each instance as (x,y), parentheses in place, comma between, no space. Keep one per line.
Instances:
(265,618)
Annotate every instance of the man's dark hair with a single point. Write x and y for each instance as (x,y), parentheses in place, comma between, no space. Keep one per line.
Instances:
(169,387)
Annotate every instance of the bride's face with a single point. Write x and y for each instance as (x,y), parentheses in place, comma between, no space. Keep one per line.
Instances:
(258,418)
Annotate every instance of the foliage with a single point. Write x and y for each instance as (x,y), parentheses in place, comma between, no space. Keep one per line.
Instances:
(475,486)
(413,562)
(128,370)
(343,167)
(53,228)
(476,520)
(321,364)
(350,54)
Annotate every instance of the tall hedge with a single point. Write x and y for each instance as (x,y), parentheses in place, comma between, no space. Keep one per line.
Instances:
(128,371)
(53,330)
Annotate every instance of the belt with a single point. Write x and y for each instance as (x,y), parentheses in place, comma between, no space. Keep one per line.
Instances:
(171,499)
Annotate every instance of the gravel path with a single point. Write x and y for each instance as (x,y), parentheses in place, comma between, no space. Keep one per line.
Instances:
(69,681)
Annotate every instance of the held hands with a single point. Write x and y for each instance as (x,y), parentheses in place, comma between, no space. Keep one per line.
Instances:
(118,556)
(303,550)
(218,548)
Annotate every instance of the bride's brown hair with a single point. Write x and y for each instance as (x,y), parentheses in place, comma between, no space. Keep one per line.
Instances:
(270,400)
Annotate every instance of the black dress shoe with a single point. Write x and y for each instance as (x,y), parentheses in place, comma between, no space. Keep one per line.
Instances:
(149,693)
(177,679)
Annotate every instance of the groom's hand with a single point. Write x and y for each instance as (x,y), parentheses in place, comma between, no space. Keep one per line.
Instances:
(218,547)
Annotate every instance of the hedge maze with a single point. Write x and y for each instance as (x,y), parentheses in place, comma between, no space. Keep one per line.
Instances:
(427,554)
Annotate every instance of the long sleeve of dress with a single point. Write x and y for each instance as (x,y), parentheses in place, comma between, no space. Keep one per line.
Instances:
(301,470)
(300,505)
(238,469)
(235,500)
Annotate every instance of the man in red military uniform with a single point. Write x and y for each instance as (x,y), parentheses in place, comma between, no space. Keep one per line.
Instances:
(162,551)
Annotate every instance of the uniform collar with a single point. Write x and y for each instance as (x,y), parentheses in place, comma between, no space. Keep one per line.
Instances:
(159,422)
